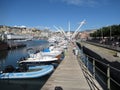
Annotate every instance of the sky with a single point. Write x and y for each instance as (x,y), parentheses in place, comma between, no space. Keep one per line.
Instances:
(47,13)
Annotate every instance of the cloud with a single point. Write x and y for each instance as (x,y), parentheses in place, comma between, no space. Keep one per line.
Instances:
(42,27)
(82,2)
(22,26)
(73,2)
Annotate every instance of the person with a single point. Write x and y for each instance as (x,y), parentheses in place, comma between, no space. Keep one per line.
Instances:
(74,50)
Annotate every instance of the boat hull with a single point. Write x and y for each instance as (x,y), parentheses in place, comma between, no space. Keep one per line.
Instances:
(38,60)
(43,70)
(3,46)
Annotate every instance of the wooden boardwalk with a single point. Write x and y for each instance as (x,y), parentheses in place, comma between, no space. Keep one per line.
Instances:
(68,75)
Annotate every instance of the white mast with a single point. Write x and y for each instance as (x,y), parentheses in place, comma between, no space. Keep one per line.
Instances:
(69,29)
(69,26)
(76,31)
(60,30)
(63,31)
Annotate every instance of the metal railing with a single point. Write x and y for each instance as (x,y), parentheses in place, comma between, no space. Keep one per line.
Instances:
(97,71)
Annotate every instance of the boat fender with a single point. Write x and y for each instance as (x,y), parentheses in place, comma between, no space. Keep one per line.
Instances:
(1,72)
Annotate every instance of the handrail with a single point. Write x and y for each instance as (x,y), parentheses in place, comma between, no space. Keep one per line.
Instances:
(100,70)
(104,63)
(109,78)
(101,80)
(90,78)
(115,81)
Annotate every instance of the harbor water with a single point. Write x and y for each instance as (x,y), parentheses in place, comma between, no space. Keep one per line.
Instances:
(10,57)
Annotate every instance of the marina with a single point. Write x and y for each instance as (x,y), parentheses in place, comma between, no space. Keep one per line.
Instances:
(59,60)
(68,73)
(60,45)
(10,57)
(19,71)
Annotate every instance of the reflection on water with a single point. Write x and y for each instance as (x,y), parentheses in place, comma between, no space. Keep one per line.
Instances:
(11,57)
(3,54)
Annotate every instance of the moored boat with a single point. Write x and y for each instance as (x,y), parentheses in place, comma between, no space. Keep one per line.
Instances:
(48,52)
(38,58)
(31,72)
(3,45)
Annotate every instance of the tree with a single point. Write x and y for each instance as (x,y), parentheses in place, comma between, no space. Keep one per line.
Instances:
(113,30)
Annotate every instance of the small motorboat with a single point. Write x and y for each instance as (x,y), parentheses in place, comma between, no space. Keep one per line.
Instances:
(53,53)
(25,72)
(38,58)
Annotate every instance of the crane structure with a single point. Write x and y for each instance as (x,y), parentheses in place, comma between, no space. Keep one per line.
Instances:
(60,29)
(78,29)
(68,35)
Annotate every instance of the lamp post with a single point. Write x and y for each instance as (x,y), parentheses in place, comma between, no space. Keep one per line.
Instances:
(110,33)
(101,33)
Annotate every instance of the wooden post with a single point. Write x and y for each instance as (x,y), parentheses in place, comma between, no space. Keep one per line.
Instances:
(93,68)
(87,61)
(108,77)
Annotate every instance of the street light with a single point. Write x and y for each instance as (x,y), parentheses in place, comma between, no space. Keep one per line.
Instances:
(101,33)
(110,33)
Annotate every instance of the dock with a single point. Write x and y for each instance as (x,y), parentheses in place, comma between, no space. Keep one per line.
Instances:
(69,75)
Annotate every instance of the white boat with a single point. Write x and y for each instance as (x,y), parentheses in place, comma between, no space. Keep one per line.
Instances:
(38,58)
(11,36)
(53,53)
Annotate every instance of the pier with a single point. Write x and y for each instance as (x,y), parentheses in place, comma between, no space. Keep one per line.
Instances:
(69,75)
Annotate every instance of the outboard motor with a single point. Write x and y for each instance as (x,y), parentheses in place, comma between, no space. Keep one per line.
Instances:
(23,67)
(9,68)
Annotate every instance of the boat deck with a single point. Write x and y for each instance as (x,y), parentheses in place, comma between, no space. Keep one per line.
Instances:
(69,75)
